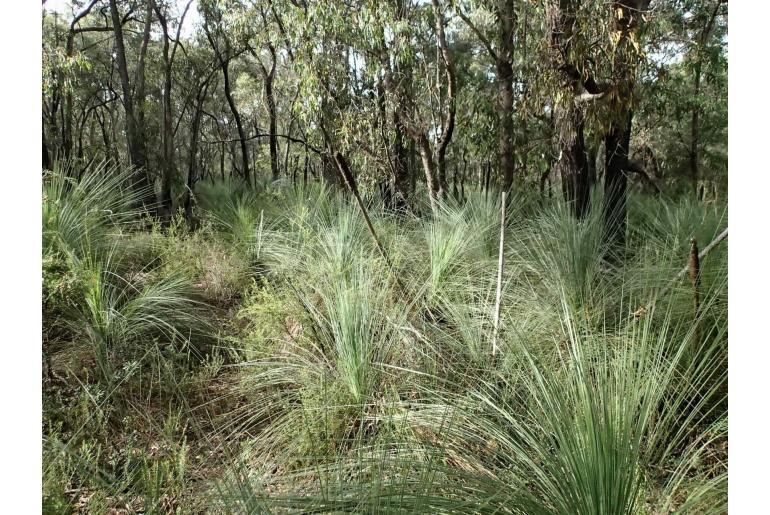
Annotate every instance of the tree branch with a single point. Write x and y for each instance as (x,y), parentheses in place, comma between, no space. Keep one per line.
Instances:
(478,33)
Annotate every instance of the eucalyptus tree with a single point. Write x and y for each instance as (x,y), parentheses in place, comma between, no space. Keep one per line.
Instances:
(689,92)
(626,34)
(200,70)
(706,50)
(568,43)
(169,53)
(133,92)
(429,119)
(501,50)
(216,30)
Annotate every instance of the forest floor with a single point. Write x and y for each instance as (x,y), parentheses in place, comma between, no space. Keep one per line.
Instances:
(271,360)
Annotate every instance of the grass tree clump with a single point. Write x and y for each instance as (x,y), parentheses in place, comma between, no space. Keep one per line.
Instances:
(623,424)
(81,214)
(336,382)
(455,250)
(557,256)
(121,318)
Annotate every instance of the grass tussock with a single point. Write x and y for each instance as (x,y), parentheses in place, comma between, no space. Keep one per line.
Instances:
(269,361)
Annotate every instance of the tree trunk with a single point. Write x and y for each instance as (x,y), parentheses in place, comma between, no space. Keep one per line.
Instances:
(105,135)
(46,153)
(617,142)
(192,172)
(504,66)
(431,176)
(695,130)
(400,165)
(224,65)
(238,124)
(449,120)
(269,77)
(222,161)
(505,141)
(695,122)
(166,203)
(134,130)
(572,164)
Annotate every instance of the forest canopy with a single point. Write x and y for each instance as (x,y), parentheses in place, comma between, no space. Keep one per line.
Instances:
(417,96)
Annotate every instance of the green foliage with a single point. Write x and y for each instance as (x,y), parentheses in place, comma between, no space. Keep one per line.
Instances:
(559,255)
(330,388)
(120,317)
(263,356)
(80,216)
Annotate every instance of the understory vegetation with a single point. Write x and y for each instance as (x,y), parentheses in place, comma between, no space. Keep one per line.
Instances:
(273,360)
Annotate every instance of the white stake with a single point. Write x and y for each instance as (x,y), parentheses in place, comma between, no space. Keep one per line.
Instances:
(499,277)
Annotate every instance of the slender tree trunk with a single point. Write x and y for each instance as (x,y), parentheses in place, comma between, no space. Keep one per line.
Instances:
(68,103)
(431,175)
(449,120)
(222,161)
(618,138)
(238,124)
(168,130)
(568,118)
(134,129)
(400,165)
(398,151)
(46,153)
(192,172)
(592,153)
(288,148)
(224,64)
(504,66)
(695,122)
(695,130)
(105,136)
(269,77)
(506,134)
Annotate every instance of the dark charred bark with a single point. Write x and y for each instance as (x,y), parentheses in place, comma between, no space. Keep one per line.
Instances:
(102,120)
(505,139)
(504,65)
(222,161)
(617,141)
(269,77)
(168,130)
(400,165)
(572,164)
(434,166)
(399,158)
(570,148)
(47,164)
